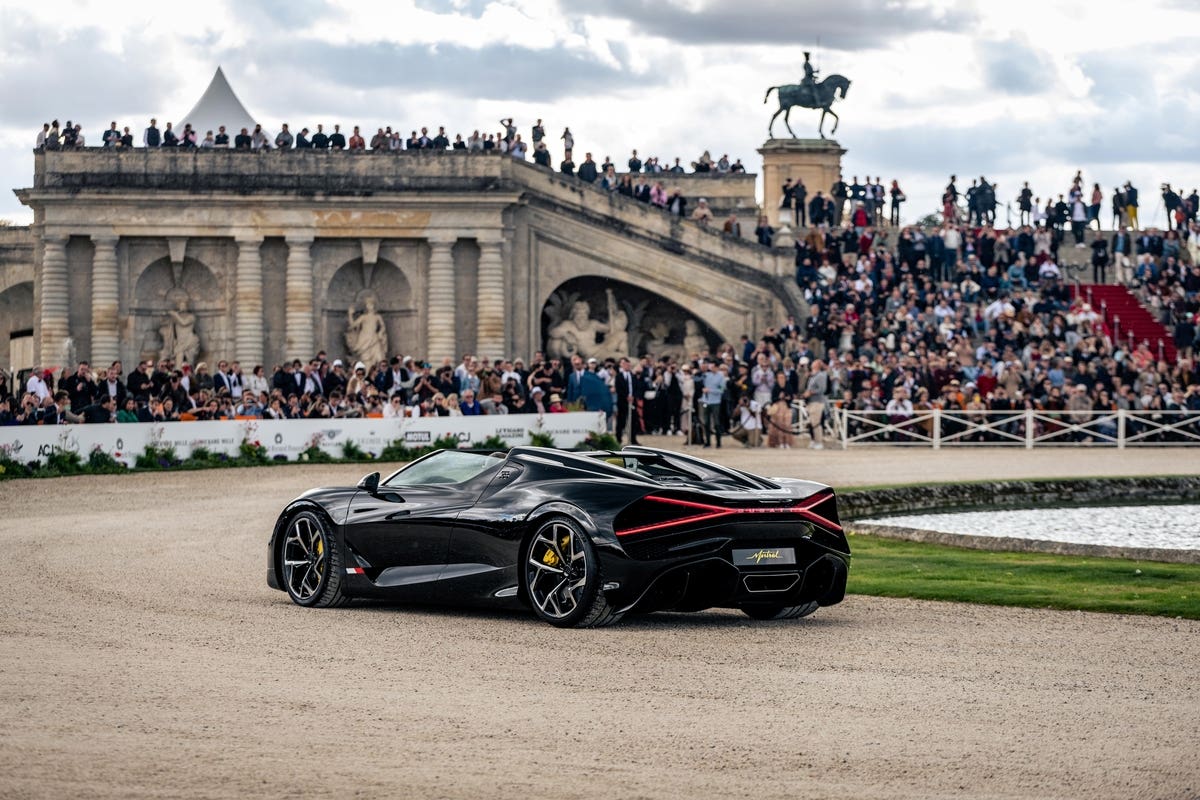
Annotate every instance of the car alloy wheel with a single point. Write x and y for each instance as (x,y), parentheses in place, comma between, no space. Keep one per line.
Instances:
(558,569)
(310,562)
(562,577)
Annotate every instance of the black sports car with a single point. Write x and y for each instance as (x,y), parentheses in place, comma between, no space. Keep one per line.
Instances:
(582,538)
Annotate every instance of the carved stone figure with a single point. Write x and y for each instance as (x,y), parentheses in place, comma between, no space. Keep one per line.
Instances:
(809,93)
(179,340)
(366,334)
(657,345)
(616,341)
(577,334)
(694,340)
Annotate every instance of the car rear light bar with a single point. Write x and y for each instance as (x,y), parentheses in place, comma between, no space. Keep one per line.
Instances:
(705,512)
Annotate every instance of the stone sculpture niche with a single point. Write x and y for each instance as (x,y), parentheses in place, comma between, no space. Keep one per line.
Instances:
(180,343)
(366,333)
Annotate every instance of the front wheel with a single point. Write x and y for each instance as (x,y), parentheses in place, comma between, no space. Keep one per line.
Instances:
(780,612)
(561,574)
(311,564)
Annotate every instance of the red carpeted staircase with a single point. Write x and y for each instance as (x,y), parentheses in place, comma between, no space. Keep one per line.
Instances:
(1126,317)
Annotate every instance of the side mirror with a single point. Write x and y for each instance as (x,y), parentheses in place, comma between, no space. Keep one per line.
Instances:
(370,483)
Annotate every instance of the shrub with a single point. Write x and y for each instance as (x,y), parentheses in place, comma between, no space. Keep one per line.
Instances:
(398,451)
(538,439)
(252,453)
(352,452)
(447,442)
(600,441)
(64,462)
(10,468)
(493,443)
(154,457)
(102,463)
(316,455)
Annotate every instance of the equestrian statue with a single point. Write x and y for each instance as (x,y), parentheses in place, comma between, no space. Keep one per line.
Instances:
(808,94)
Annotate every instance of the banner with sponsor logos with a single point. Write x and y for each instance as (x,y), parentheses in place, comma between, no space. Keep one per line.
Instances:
(290,438)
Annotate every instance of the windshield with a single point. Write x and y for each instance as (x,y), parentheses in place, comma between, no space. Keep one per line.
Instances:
(442,467)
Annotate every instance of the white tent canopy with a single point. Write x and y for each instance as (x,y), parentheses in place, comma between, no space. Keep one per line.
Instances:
(218,106)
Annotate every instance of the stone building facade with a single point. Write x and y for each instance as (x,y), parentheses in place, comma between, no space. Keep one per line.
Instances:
(265,256)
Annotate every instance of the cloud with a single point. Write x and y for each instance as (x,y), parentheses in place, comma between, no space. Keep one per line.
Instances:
(50,74)
(497,72)
(283,15)
(470,8)
(849,25)
(1016,68)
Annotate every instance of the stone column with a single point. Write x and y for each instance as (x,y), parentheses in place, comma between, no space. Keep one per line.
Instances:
(491,336)
(106,322)
(299,310)
(440,301)
(55,311)
(248,302)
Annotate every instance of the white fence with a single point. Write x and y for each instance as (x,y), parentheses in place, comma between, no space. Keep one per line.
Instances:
(937,428)
(289,438)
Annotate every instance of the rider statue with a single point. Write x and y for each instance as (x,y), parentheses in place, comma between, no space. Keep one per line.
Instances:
(809,81)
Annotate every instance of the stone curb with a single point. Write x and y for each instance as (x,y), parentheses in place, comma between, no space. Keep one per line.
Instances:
(1019,494)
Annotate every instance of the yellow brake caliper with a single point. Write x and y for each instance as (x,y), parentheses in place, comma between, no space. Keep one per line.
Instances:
(549,559)
(320,552)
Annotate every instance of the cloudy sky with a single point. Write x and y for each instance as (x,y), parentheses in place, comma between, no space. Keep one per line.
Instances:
(1020,90)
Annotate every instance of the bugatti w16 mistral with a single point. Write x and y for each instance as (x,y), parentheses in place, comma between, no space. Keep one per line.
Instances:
(581,538)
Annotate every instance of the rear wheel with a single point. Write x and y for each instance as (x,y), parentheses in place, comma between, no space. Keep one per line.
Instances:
(780,612)
(311,563)
(561,574)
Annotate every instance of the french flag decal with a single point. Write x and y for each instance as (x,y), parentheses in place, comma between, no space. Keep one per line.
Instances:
(354,570)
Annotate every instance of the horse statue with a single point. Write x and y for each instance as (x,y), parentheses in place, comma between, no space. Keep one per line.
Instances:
(818,95)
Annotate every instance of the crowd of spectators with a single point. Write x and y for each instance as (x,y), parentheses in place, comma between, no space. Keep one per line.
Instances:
(386,140)
(964,316)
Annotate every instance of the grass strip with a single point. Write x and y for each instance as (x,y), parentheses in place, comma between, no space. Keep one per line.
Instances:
(898,568)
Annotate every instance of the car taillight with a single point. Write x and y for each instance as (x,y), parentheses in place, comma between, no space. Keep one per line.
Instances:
(654,513)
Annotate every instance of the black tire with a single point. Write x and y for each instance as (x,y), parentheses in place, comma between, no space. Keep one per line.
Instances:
(560,576)
(780,612)
(310,562)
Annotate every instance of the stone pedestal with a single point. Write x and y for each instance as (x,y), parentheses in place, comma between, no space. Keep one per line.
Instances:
(817,162)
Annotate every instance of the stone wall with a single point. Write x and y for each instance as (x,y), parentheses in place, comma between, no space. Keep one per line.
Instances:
(267,250)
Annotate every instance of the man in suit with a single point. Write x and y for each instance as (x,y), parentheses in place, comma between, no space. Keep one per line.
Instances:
(112,387)
(221,378)
(674,390)
(575,379)
(101,411)
(626,385)
(594,391)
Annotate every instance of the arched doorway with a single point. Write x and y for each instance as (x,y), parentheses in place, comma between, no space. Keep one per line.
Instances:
(16,326)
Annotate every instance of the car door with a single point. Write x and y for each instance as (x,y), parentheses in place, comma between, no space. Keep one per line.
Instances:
(404,535)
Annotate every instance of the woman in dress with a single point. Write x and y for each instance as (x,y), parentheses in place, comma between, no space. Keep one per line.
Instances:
(779,422)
